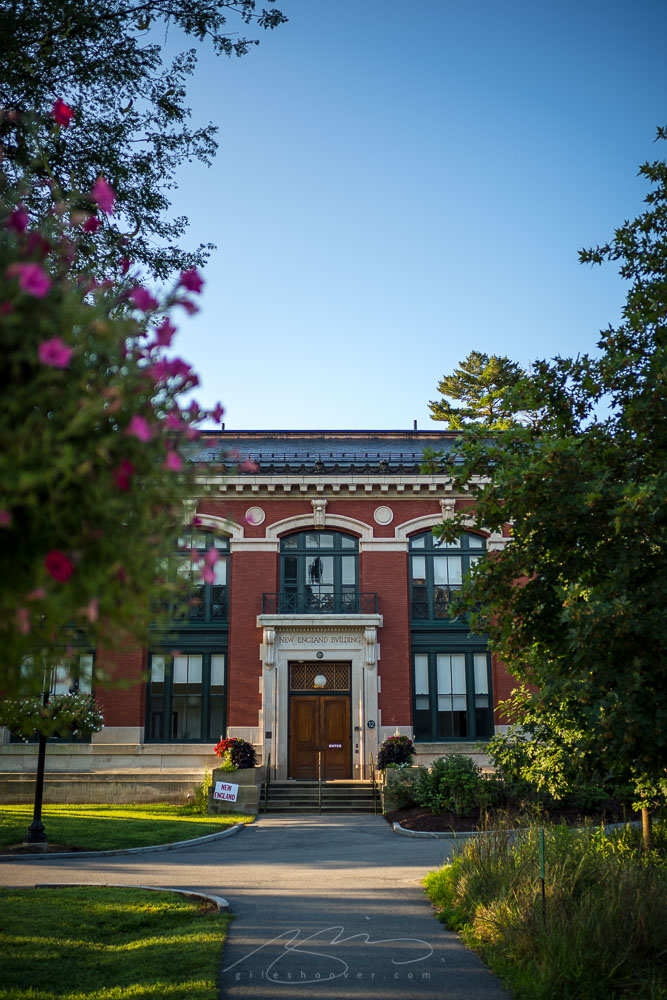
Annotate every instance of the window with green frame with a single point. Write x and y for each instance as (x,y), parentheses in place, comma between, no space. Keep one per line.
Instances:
(319,571)
(73,675)
(206,602)
(185,697)
(452,695)
(437,569)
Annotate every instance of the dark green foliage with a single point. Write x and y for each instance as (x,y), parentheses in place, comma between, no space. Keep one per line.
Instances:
(606,908)
(453,784)
(584,487)
(543,762)
(401,790)
(131,122)
(481,383)
(395,750)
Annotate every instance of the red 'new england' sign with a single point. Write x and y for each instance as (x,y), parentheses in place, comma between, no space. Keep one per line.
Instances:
(225,792)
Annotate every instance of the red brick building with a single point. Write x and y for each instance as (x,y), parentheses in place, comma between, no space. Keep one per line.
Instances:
(327,627)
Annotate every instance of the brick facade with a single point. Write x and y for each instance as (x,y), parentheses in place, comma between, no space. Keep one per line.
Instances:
(368,488)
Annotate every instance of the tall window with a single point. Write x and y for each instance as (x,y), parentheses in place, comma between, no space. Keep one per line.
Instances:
(186,697)
(437,571)
(319,572)
(206,602)
(452,695)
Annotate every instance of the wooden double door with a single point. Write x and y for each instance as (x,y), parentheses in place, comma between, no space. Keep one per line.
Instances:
(320,723)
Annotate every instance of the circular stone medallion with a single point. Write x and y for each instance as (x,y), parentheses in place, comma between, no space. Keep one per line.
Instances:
(383,515)
(255,516)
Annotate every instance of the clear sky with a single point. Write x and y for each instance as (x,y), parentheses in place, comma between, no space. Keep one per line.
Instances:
(399,183)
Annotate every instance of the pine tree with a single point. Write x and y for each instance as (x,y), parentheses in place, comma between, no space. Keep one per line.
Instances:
(481,382)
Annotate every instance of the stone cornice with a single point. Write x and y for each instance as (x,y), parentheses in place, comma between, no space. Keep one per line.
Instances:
(357,485)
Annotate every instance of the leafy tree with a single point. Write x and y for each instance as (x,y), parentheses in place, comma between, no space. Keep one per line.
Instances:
(481,383)
(92,442)
(103,61)
(576,601)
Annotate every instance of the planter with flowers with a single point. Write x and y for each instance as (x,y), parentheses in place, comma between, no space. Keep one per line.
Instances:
(395,761)
(238,777)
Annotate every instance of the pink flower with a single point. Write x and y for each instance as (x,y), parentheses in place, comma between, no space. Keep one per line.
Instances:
(218,413)
(179,369)
(32,279)
(196,521)
(122,475)
(139,428)
(143,299)
(164,334)
(192,280)
(37,245)
(194,409)
(92,224)
(173,422)
(38,594)
(6,308)
(248,466)
(125,265)
(58,565)
(55,353)
(62,113)
(159,371)
(211,557)
(189,307)
(23,620)
(208,574)
(93,610)
(173,461)
(103,194)
(17,220)
(5,518)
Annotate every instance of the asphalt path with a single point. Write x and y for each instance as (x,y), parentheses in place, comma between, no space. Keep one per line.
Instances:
(328,907)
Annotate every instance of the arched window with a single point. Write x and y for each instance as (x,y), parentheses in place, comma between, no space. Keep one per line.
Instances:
(319,573)
(437,569)
(206,602)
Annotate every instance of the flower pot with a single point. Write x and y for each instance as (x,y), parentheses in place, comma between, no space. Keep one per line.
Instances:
(245,786)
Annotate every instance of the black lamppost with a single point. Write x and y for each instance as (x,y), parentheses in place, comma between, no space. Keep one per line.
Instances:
(35,835)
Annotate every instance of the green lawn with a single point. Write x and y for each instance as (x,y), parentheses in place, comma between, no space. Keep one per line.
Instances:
(108,944)
(104,828)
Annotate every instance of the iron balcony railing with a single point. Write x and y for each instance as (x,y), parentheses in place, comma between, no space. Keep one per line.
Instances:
(346,603)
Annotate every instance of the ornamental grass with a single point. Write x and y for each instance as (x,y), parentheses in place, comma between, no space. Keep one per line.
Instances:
(601,933)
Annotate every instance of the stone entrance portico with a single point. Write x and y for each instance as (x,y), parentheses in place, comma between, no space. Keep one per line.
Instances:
(319,639)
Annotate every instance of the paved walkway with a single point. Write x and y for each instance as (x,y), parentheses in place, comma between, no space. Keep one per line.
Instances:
(326,906)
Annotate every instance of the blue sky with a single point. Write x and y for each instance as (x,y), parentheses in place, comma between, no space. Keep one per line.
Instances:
(400,183)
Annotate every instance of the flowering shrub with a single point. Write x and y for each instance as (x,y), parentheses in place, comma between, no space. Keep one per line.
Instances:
(93,433)
(236,754)
(63,715)
(395,750)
